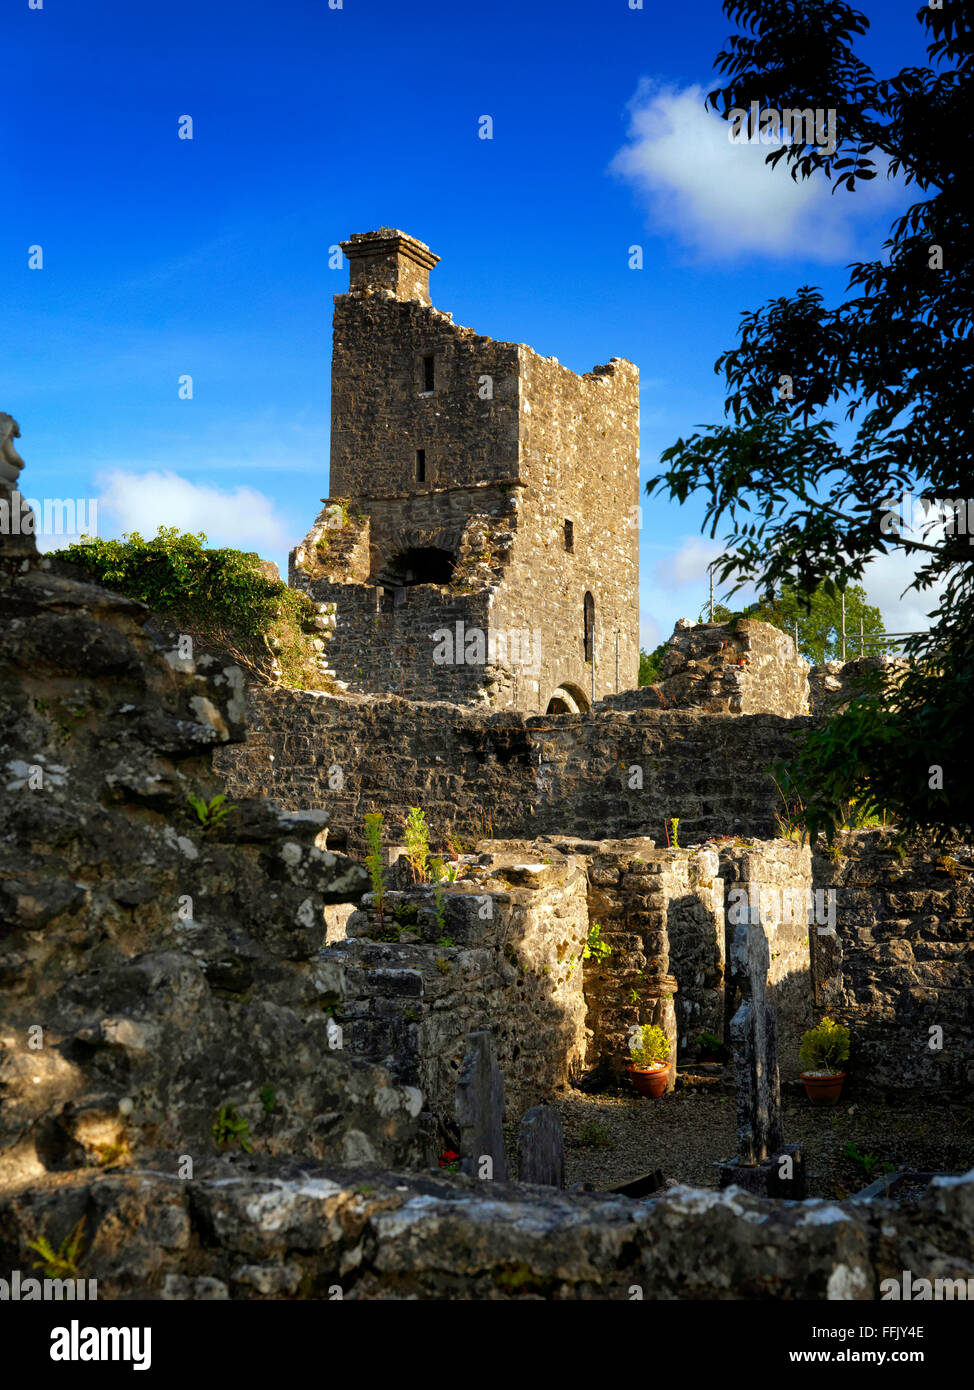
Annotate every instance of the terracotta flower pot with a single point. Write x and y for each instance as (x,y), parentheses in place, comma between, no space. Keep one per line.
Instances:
(823,1090)
(649,1081)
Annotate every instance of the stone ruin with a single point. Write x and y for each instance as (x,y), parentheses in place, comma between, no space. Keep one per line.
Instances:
(172,982)
(466,553)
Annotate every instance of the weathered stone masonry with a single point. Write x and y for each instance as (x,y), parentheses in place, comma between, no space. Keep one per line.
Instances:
(901,965)
(506,959)
(176,970)
(505,775)
(480,484)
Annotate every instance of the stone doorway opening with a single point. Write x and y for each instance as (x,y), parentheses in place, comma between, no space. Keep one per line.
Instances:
(419,565)
(567,699)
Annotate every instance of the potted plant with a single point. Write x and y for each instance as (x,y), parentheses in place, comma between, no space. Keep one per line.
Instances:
(649,1066)
(823,1050)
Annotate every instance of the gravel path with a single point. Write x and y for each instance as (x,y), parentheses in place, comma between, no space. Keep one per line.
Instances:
(609,1138)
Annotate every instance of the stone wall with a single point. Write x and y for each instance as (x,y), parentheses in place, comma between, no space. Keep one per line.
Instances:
(161,961)
(901,965)
(381,414)
(597,776)
(770,881)
(378,647)
(157,964)
(506,959)
(387,636)
(579,460)
(273,1232)
(520,472)
(661,914)
(722,668)
(833,684)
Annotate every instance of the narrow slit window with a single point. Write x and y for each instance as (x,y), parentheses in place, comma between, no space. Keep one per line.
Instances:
(421,465)
(588,632)
(429,374)
(569,537)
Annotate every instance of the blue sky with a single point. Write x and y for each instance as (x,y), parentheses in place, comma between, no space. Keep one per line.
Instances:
(164,257)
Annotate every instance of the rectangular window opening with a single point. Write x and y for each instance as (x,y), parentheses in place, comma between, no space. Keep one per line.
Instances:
(569,537)
(428,373)
(421,465)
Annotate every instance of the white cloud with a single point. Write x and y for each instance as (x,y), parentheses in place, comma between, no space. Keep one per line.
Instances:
(885,579)
(720,197)
(242,517)
(687,566)
(678,586)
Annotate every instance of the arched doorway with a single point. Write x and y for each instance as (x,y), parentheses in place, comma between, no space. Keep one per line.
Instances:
(567,699)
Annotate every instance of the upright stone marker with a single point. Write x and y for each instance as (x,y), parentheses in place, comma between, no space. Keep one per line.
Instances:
(541,1148)
(480,1110)
(764,1164)
(17,523)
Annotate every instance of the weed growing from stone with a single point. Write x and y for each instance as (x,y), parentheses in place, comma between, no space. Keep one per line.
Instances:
(374,863)
(113,1153)
(229,1127)
(595,948)
(417,843)
(210,813)
(61,1263)
(595,1134)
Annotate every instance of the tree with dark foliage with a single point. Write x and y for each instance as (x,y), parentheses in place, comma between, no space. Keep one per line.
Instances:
(894,359)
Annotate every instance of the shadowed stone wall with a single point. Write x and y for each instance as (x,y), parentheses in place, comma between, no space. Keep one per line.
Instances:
(506,958)
(901,965)
(612,775)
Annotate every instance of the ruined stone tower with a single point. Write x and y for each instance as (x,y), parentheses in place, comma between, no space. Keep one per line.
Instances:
(480,542)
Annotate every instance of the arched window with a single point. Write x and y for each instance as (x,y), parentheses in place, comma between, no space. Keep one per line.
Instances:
(589,612)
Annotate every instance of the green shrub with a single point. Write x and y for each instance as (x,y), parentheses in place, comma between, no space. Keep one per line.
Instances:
(375,863)
(221,598)
(825,1047)
(210,813)
(595,1135)
(417,843)
(595,948)
(649,1047)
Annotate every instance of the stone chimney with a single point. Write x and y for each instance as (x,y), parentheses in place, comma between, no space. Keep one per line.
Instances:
(390,260)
